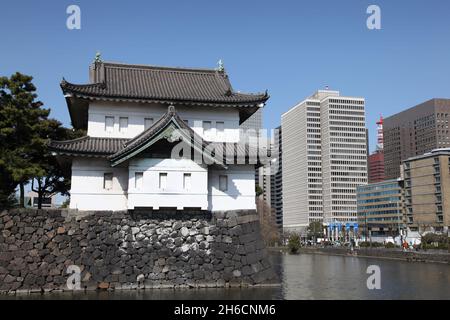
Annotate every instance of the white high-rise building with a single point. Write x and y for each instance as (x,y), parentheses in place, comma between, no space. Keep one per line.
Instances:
(324,159)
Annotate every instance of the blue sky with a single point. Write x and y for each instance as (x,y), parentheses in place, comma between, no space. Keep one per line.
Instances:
(291,48)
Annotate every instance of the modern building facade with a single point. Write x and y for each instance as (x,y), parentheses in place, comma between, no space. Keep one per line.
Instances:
(157,138)
(427,191)
(251,128)
(324,159)
(276,180)
(380,208)
(376,167)
(376,159)
(414,132)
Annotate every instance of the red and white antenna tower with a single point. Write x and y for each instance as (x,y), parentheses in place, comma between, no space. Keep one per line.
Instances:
(380,137)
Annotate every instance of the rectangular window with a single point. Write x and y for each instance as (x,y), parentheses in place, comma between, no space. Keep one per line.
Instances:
(220,126)
(108,181)
(123,124)
(187,181)
(206,127)
(138,180)
(163,181)
(223,183)
(148,122)
(109,124)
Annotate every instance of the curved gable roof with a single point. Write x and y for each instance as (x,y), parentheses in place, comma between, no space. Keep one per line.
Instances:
(162,84)
(172,121)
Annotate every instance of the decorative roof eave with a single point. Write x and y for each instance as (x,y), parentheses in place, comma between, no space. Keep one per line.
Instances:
(241,104)
(87,147)
(81,154)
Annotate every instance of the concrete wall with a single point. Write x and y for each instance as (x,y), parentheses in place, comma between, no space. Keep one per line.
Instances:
(137,112)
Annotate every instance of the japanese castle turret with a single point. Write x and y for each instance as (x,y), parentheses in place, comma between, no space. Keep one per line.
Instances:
(159,138)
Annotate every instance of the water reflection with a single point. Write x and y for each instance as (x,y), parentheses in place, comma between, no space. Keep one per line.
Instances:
(343,278)
(310,276)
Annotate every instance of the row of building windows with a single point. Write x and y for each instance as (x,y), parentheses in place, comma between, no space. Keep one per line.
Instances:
(345,185)
(350,146)
(346,125)
(343,190)
(345,140)
(345,134)
(351,128)
(343,208)
(346,174)
(381,206)
(108,181)
(359,180)
(353,203)
(352,113)
(343,196)
(148,122)
(347,151)
(347,157)
(356,163)
(387,199)
(346,101)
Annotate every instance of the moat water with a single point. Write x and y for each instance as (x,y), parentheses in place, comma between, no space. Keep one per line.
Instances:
(310,276)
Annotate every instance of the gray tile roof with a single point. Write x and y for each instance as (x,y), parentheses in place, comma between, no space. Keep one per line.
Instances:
(162,84)
(88,146)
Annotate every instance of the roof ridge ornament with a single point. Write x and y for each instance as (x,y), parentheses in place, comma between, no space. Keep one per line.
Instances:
(220,66)
(171,108)
(98,57)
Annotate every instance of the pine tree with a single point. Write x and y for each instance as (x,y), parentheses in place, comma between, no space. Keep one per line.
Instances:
(25,131)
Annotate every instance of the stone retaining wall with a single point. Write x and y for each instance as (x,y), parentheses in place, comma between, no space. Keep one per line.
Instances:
(121,250)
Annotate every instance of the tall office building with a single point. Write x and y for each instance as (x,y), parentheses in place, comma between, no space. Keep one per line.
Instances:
(324,159)
(427,191)
(255,122)
(252,127)
(414,132)
(276,179)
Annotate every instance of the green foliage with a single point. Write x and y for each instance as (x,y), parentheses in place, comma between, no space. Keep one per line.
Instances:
(65,204)
(435,241)
(20,120)
(25,130)
(294,243)
(367,244)
(258,190)
(390,245)
(315,230)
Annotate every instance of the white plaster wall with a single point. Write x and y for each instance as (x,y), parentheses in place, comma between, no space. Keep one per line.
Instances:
(137,112)
(150,195)
(241,189)
(87,191)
